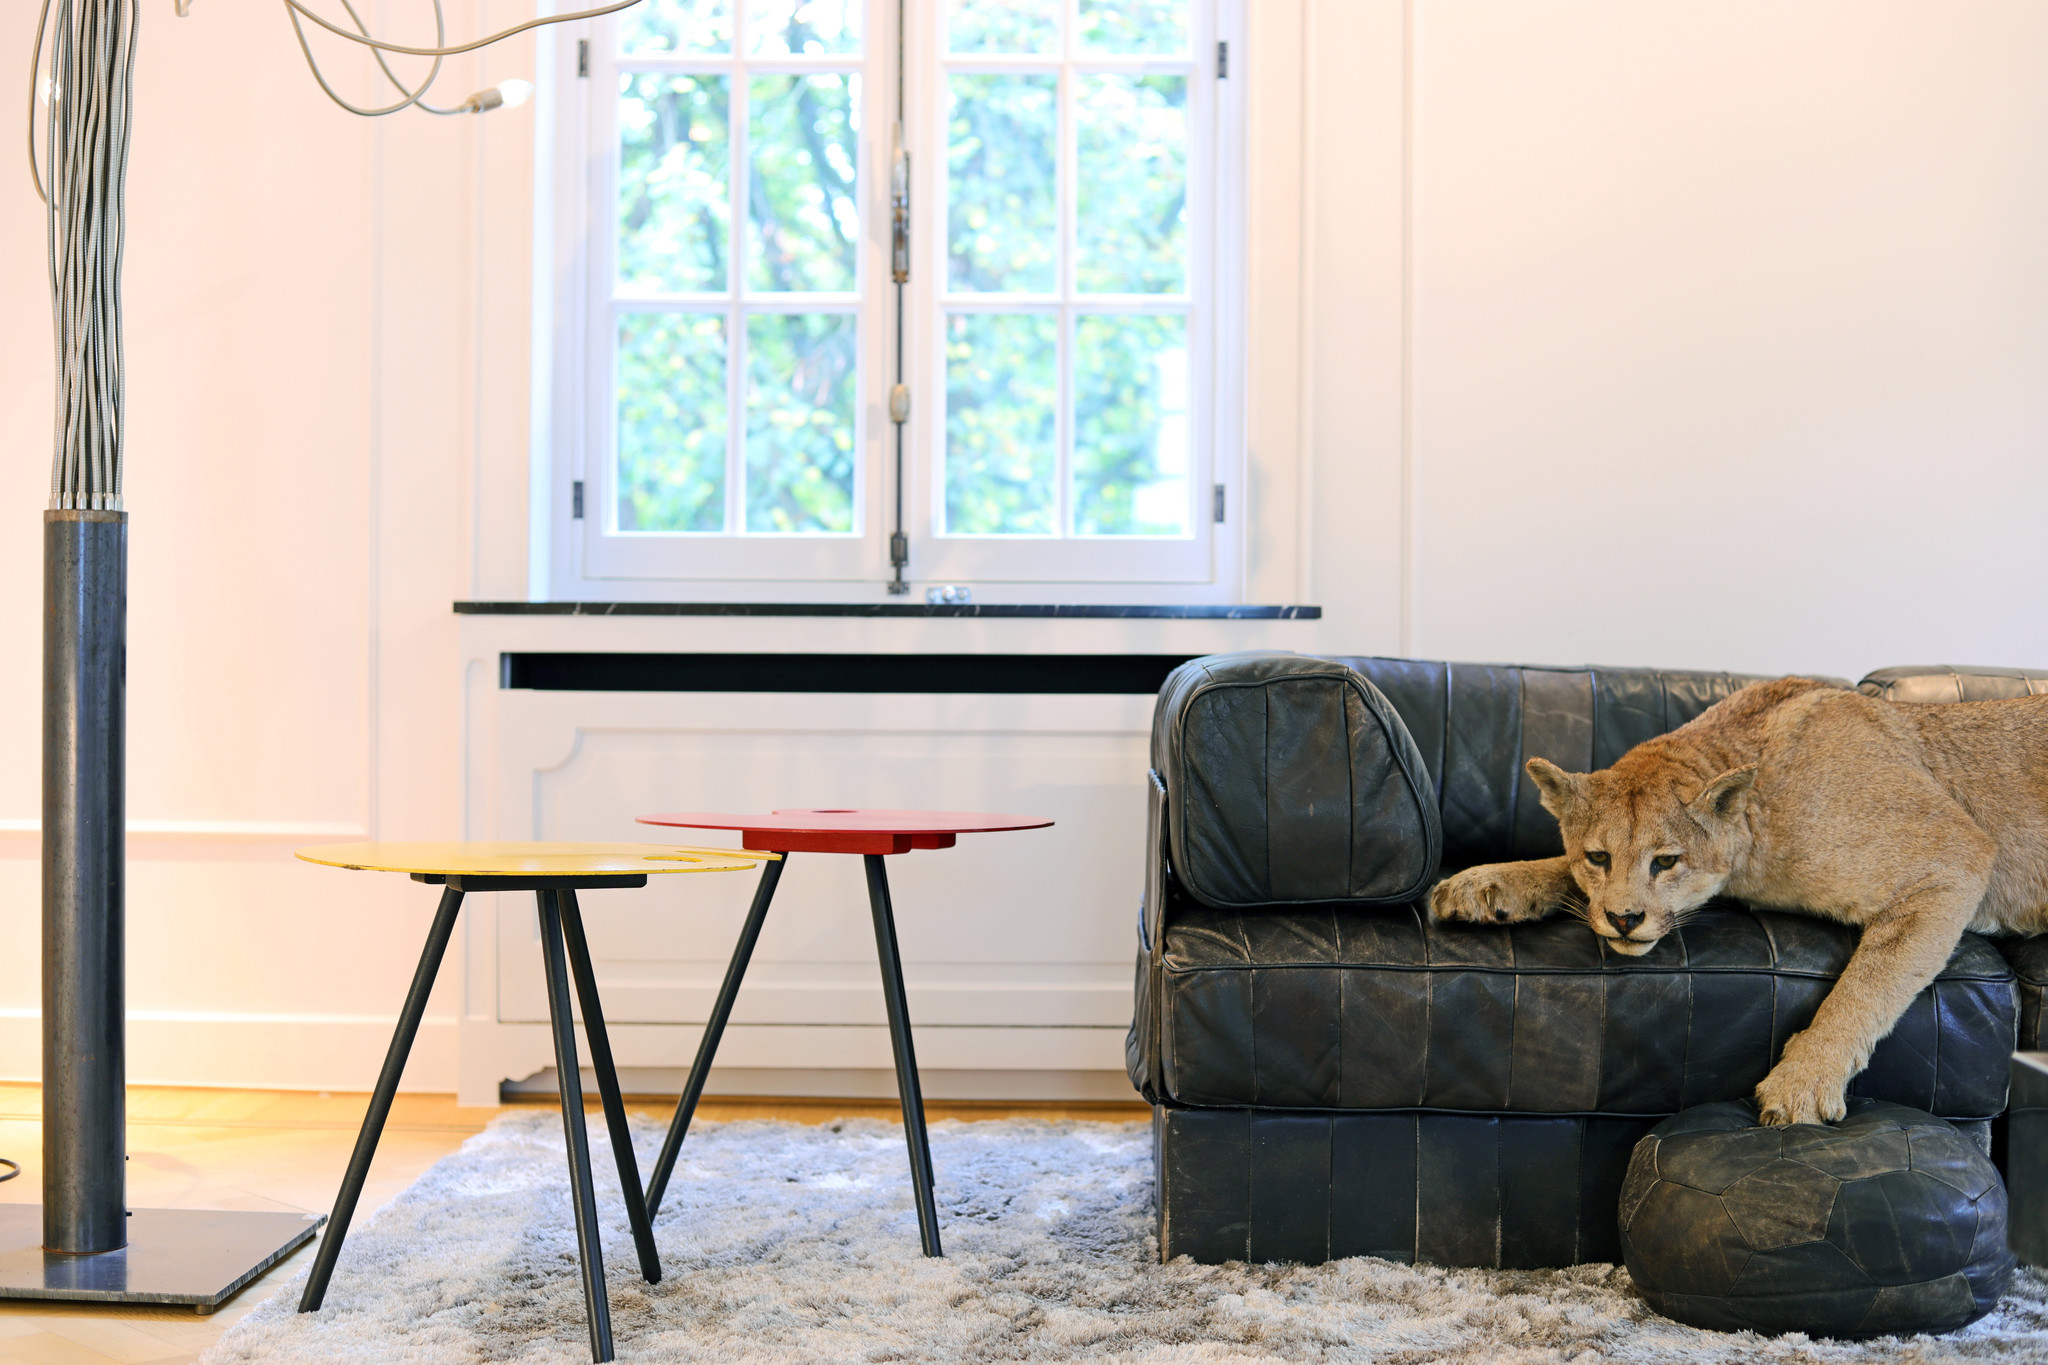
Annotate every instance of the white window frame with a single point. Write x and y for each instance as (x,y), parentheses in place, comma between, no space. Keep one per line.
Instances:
(575,191)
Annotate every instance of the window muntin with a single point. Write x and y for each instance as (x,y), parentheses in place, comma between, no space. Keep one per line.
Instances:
(734,297)
(1070,260)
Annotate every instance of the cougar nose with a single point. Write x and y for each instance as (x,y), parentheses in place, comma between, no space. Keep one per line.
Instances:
(1625,924)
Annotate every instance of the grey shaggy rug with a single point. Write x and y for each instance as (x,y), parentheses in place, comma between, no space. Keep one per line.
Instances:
(782,1242)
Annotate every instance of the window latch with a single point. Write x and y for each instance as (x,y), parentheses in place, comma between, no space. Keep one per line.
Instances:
(1219,502)
(583,58)
(899,208)
(1222,61)
(576,500)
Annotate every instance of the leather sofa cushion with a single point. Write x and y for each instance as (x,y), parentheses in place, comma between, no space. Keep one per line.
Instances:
(1332,1007)
(1477,724)
(1928,683)
(1513,1191)
(1289,779)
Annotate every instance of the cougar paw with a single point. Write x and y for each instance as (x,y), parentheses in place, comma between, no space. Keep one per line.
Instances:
(1800,1092)
(1482,895)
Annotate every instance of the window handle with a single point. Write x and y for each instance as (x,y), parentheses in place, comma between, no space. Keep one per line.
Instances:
(899,208)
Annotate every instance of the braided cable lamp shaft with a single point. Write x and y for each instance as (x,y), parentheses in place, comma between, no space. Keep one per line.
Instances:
(82,176)
(88,98)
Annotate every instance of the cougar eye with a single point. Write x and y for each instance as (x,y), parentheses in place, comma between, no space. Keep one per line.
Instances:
(1663,862)
(1596,857)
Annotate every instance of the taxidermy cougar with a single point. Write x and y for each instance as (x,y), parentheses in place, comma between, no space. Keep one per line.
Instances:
(1914,821)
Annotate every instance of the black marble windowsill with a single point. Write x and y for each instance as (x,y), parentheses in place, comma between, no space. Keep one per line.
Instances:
(910,609)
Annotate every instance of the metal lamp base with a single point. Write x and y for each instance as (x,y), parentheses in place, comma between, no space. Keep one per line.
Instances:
(196,1258)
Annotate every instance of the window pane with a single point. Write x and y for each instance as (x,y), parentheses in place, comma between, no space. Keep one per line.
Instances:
(671,422)
(1002,178)
(676,26)
(1132,223)
(1002,387)
(802,214)
(673,158)
(1003,25)
(1131,426)
(781,28)
(1148,26)
(800,391)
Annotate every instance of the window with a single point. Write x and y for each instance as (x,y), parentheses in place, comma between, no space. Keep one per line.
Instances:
(728,325)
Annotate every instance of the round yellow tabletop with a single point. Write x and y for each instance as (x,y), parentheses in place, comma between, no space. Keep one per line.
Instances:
(464,859)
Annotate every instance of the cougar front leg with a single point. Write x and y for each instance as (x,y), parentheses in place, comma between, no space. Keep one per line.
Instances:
(1503,893)
(1902,950)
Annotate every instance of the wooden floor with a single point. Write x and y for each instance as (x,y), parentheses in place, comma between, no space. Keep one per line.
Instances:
(286,1150)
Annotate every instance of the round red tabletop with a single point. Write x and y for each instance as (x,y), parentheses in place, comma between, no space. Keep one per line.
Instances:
(848,831)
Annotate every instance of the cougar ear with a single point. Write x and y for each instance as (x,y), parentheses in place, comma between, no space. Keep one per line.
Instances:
(1559,788)
(1727,795)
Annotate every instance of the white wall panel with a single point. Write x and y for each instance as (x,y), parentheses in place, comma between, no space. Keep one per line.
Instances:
(1724,329)
(1019,939)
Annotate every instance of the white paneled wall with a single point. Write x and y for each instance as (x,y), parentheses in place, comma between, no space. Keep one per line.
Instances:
(1701,333)
(1017,947)
(1697,334)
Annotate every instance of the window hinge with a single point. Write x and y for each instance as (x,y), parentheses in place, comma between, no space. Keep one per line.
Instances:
(576,500)
(1222,71)
(1219,501)
(583,57)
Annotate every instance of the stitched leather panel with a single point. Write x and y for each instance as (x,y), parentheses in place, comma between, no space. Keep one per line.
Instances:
(2029,958)
(1557,724)
(1340,1008)
(1926,683)
(1482,772)
(1290,779)
(1512,1191)
(1508,1191)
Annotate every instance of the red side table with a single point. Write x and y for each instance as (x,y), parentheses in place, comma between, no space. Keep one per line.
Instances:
(874,834)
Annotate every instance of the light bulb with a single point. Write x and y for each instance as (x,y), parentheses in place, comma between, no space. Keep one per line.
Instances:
(504,95)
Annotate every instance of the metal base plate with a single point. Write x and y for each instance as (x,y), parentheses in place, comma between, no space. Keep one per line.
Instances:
(196,1258)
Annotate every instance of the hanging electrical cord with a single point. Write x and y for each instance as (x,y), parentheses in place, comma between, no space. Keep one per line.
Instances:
(505,93)
(412,97)
(13,1168)
(80,174)
(443,51)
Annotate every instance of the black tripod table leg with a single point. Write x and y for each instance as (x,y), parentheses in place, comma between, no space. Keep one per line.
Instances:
(380,1100)
(714,1029)
(906,1059)
(608,1086)
(569,1069)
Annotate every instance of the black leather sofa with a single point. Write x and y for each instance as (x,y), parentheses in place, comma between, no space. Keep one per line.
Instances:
(1333,1074)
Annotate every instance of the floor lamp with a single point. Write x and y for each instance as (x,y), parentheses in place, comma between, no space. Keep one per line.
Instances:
(83,1242)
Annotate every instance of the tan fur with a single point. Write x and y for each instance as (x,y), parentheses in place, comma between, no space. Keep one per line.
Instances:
(1914,822)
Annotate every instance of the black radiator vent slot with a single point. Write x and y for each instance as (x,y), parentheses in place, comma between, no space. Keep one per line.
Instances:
(1068,674)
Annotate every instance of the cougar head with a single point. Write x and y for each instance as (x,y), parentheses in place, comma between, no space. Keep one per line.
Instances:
(1645,848)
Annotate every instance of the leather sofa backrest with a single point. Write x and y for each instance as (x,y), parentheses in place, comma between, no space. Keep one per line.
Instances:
(1289,780)
(1953,682)
(1477,724)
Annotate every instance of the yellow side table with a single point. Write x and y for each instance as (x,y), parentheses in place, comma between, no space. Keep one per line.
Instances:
(554,872)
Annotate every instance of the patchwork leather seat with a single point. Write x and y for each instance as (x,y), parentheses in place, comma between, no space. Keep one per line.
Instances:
(1335,1074)
(1328,1007)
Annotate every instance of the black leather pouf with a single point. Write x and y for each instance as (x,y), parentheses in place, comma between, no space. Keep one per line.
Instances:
(1889,1221)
